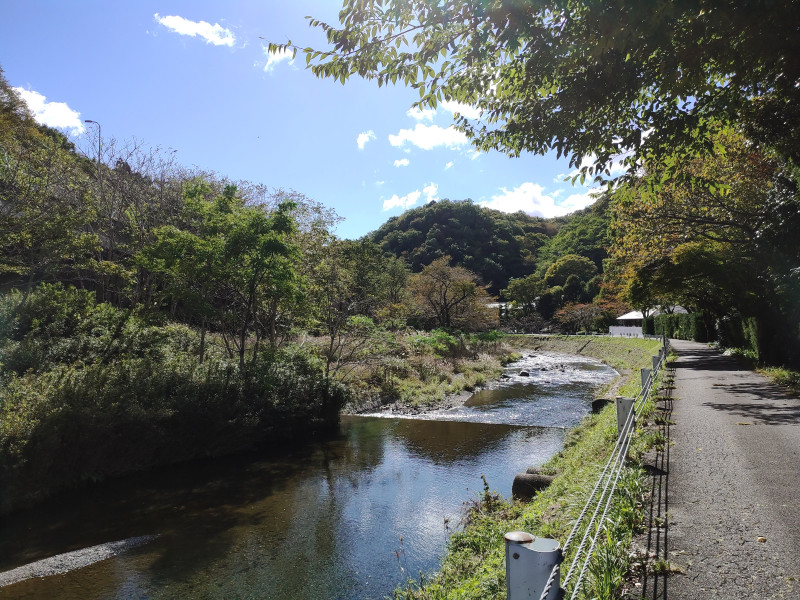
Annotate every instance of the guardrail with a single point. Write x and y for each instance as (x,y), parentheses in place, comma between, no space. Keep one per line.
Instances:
(533,565)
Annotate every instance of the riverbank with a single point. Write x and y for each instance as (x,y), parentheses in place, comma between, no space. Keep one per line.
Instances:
(473,567)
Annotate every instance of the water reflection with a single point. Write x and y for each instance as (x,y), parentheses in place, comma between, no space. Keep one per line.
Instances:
(347,517)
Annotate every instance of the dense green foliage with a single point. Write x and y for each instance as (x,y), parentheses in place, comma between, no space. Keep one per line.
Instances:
(692,326)
(90,391)
(542,266)
(585,233)
(149,314)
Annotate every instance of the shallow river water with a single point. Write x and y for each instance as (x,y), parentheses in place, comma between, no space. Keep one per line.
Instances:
(352,516)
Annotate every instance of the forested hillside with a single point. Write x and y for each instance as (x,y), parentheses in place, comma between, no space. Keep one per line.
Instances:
(496,246)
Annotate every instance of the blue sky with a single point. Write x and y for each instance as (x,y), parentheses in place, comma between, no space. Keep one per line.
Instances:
(194,76)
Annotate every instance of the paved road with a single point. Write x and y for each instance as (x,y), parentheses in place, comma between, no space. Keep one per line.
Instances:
(729,484)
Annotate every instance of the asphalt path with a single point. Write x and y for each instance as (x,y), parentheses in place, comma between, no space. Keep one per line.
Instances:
(728,484)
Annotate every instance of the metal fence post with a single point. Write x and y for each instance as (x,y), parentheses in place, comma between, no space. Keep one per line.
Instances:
(529,562)
(624,408)
(645,375)
(656,360)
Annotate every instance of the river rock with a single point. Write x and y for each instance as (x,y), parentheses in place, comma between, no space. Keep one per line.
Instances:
(524,374)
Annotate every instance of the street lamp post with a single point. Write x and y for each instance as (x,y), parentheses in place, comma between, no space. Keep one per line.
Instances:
(99,139)
(100,181)
(99,153)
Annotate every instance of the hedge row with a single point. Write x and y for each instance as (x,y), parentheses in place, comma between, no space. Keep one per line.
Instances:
(679,326)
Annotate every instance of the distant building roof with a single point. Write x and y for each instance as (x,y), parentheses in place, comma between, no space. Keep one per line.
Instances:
(636,315)
(631,316)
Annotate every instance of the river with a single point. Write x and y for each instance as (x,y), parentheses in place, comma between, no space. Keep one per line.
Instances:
(351,516)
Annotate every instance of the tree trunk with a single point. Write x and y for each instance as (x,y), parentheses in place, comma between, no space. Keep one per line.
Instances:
(202,340)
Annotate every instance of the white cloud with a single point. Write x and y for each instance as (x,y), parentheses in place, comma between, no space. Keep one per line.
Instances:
(275,58)
(532,199)
(448,165)
(52,114)
(403,162)
(421,115)
(430,192)
(428,137)
(465,110)
(405,202)
(364,137)
(213,34)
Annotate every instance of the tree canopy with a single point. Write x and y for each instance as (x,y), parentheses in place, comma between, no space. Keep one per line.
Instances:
(733,252)
(586,79)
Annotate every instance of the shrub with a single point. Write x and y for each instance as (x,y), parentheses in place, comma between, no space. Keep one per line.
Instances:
(88,391)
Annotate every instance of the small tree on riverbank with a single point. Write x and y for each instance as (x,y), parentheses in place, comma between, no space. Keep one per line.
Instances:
(451,297)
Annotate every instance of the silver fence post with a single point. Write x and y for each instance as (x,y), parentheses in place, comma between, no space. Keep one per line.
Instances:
(656,360)
(624,408)
(529,562)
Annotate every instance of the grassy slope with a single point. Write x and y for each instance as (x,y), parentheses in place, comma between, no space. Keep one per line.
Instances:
(474,565)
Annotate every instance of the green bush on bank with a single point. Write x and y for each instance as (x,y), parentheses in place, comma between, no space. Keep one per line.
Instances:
(88,391)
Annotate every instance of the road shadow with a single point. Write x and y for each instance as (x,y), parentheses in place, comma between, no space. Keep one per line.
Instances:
(766,413)
(708,359)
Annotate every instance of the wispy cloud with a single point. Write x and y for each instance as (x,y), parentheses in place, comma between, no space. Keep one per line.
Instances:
(364,137)
(532,199)
(213,34)
(430,191)
(448,165)
(52,114)
(403,162)
(428,137)
(275,58)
